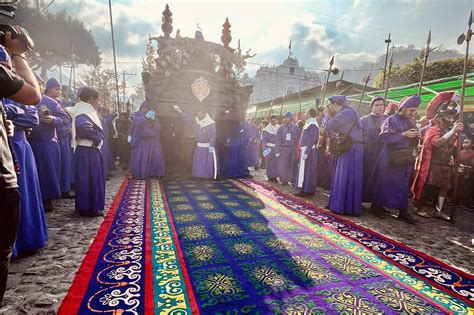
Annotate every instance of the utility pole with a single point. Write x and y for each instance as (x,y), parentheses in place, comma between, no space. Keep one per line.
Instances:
(115,59)
(124,85)
(387,41)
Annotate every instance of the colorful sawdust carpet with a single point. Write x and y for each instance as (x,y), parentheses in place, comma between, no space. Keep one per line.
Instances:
(241,247)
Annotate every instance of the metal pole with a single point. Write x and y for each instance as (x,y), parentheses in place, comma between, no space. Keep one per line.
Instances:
(115,59)
(387,41)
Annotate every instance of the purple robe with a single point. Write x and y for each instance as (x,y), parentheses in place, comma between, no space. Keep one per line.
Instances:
(372,145)
(252,149)
(32,229)
(393,183)
(346,187)
(106,121)
(203,160)
(89,168)
(67,154)
(147,155)
(308,141)
(44,142)
(271,161)
(286,140)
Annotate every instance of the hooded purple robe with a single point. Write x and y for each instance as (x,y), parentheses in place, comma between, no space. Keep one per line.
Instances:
(308,140)
(271,162)
(286,140)
(252,149)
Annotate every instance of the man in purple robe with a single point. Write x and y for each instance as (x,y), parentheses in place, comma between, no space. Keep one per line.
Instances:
(269,139)
(346,187)
(252,148)
(286,141)
(147,156)
(106,119)
(393,182)
(205,159)
(372,144)
(306,175)
(44,142)
(53,90)
(88,137)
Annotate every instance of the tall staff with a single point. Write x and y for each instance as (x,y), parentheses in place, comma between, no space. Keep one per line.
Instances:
(387,41)
(424,54)
(281,106)
(271,108)
(367,79)
(299,95)
(330,70)
(465,37)
(387,84)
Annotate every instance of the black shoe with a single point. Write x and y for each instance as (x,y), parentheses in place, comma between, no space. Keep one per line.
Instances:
(378,211)
(68,195)
(407,218)
(48,206)
(90,214)
(272,180)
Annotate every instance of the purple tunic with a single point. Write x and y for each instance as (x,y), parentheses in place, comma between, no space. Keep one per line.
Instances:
(203,160)
(44,142)
(286,140)
(32,229)
(252,149)
(271,161)
(308,141)
(372,145)
(89,168)
(346,187)
(147,155)
(393,184)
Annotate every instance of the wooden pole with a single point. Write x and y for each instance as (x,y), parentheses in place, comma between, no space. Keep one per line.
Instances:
(427,53)
(299,96)
(327,79)
(367,79)
(457,185)
(387,41)
(339,83)
(387,84)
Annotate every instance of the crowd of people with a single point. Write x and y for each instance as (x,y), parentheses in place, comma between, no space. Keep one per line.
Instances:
(383,158)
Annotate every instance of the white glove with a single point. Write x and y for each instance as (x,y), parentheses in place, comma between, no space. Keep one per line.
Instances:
(129,139)
(211,150)
(151,114)
(304,156)
(177,109)
(277,155)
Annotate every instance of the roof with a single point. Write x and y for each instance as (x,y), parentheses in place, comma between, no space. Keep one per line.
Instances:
(430,89)
(291,102)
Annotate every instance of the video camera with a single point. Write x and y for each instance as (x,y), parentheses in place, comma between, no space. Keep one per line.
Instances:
(8,8)
(17,33)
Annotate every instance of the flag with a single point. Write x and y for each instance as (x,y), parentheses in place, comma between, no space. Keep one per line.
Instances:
(289,46)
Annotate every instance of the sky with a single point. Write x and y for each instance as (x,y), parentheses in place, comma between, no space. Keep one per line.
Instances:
(353,31)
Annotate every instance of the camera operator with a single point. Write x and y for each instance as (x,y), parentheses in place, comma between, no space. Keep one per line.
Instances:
(19,85)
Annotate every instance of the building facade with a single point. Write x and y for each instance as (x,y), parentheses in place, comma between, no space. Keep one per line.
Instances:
(274,81)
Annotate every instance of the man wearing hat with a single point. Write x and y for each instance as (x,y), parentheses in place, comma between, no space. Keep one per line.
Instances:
(53,90)
(45,144)
(372,143)
(434,167)
(395,162)
(346,187)
(285,150)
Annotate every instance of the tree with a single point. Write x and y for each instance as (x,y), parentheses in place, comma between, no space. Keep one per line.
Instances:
(410,73)
(58,38)
(104,81)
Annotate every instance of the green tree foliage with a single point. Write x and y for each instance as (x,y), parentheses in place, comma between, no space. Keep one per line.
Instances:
(411,72)
(58,37)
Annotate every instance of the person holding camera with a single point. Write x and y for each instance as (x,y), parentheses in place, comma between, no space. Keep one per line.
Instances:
(346,186)
(21,86)
(45,144)
(395,162)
